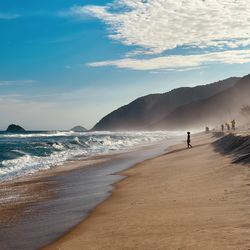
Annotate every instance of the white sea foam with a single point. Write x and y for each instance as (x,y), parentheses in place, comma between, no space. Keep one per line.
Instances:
(30,135)
(77,140)
(19,151)
(30,164)
(58,145)
(74,144)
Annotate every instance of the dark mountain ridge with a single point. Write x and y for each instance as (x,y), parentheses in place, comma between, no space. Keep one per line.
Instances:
(214,110)
(145,111)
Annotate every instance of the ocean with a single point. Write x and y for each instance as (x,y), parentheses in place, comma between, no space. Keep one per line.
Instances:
(29,152)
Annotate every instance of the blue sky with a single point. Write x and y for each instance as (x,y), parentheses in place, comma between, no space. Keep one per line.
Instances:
(64,63)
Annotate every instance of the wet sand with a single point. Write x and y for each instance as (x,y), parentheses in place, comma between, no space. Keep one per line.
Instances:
(186,199)
(38,209)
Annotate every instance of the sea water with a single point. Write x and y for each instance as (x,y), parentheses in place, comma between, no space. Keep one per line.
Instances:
(26,153)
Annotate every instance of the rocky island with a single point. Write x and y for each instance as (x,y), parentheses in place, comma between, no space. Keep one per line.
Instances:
(15,128)
(79,129)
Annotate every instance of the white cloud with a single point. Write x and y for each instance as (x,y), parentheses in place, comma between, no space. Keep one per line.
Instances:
(8,16)
(179,62)
(157,26)
(160,25)
(16,82)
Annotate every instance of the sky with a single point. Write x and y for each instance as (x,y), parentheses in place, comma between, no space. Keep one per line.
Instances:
(70,62)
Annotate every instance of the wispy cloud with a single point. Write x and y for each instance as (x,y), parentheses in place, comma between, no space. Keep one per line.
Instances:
(68,67)
(16,82)
(159,25)
(156,27)
(75,11)
(179,62)
(8,16)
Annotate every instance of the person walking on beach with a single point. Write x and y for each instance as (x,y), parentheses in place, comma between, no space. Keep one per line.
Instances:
(188,140)
(222,127)
(233,124)
(228,126)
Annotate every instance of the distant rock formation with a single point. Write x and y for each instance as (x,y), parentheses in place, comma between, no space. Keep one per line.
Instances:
(147,112)
(79,129)
(15,128)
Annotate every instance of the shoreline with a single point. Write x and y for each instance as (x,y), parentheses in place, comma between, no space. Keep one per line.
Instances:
(121,221)
(63,197)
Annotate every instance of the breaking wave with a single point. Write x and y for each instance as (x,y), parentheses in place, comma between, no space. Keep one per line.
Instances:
(23,154)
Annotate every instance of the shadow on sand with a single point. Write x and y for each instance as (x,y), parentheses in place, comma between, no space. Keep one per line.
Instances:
(184,149)
(235,145)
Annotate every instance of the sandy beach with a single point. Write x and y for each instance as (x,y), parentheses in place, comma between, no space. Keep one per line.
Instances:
(38,209)
(186,199)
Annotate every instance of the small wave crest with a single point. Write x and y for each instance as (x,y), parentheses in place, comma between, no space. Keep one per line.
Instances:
(19,151)
(40,134)
(28,164)
(58,145)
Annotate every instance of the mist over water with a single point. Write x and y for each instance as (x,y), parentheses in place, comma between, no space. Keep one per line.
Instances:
(29,152)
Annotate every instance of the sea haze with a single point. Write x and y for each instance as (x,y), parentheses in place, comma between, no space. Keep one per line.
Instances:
(29,152)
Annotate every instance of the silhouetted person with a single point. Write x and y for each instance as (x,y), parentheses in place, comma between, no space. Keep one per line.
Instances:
(228,126)
(222,127)
(188,140)
(233,124)
(207,129)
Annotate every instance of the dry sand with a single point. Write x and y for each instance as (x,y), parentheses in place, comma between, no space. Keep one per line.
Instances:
(187,199)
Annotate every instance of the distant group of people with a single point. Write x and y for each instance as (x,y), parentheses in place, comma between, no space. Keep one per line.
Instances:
(227,126)
(224,126)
